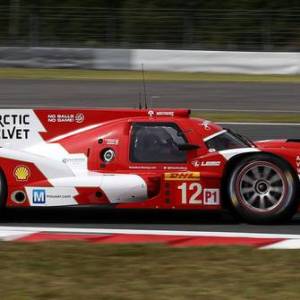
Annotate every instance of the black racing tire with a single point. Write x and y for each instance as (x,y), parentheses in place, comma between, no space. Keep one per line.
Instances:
(263,189)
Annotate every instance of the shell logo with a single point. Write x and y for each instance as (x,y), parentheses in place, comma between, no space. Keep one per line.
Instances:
(21,173)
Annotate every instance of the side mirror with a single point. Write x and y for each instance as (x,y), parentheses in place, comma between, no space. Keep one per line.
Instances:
(188,147)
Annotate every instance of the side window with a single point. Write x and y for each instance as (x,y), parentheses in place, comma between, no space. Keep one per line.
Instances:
(157,143)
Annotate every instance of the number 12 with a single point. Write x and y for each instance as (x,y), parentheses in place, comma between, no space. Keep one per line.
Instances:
(185,187)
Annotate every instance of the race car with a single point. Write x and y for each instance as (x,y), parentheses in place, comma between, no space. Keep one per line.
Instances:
(143,159)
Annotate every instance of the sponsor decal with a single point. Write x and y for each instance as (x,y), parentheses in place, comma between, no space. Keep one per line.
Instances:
(210,163)
(22,173)
(196,163)
(66,118)
(58,196)
(38,196)
(143,167)
(185,176)
(111,141)
(211,197)
(205,124)
(165,113)
(51,196)
(79,117)
(174,168)
(75,162)
(12,126)
(151,113)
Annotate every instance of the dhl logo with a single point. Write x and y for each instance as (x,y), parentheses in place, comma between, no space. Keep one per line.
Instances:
(186,176)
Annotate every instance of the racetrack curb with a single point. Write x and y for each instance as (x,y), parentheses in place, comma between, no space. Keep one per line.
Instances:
(169,240)
(166,237)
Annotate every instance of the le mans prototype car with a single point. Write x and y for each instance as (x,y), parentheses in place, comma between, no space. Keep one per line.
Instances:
(143,158)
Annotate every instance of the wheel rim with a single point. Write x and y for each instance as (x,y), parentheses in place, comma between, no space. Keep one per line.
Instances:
(262,186)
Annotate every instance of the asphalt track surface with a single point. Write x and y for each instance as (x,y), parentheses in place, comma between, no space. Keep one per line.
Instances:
(243,96)
(194,95)
(89,217)
(204,95)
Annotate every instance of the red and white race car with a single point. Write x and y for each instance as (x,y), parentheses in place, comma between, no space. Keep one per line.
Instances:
(141,158)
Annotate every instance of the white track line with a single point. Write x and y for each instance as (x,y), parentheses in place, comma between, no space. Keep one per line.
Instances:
(22,229)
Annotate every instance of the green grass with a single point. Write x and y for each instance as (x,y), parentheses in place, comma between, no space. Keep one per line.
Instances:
(76,270)
(249,117)
(73,74)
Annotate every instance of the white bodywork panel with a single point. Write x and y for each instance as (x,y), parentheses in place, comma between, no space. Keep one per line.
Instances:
(64,171)
(227,154)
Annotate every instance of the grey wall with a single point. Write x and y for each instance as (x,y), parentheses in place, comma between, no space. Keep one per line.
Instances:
(153,60)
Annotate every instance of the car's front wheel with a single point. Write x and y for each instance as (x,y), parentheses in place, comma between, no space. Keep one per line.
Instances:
(262,188)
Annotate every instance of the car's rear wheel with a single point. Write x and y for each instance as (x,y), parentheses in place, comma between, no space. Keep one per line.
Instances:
(262,189)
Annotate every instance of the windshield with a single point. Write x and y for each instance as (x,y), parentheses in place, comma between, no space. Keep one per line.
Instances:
(228,140)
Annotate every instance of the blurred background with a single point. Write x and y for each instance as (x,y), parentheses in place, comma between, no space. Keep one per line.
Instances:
(244,25)
(228,61)
(235,62)
(200,36)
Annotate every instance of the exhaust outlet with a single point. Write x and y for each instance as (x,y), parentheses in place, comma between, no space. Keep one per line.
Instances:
(18,196)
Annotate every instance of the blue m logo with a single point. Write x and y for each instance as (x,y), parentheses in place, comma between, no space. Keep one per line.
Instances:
(39,196)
